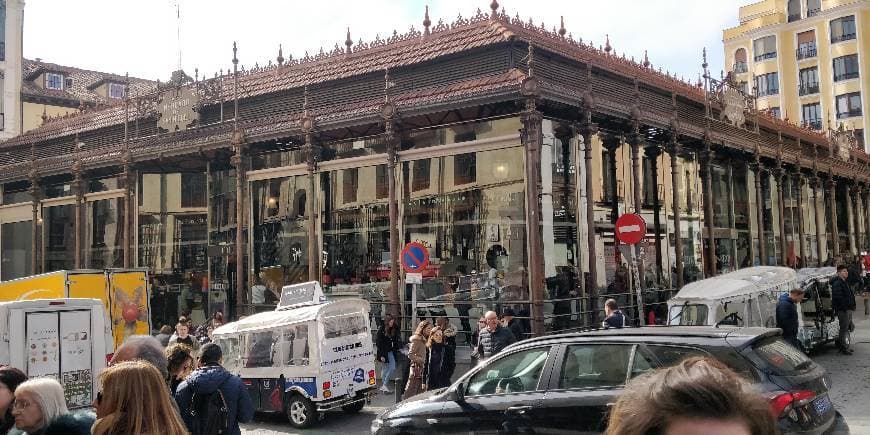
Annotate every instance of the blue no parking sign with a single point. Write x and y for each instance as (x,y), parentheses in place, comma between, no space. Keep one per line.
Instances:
(415,257)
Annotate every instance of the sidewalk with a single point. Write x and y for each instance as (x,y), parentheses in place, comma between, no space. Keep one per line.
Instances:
(850,374)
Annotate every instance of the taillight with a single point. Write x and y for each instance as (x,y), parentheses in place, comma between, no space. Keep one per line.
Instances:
(783,403)
(109,357)
(326,385)
(371,373)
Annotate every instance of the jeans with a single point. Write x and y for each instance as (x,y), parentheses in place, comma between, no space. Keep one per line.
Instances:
(389,367)
(844,319)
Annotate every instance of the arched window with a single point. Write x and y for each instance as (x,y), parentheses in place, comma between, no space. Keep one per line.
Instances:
(740,60)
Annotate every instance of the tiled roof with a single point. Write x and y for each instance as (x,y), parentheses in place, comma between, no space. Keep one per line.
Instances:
(84,83)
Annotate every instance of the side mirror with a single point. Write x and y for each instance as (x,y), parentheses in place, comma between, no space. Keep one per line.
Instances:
(457,393)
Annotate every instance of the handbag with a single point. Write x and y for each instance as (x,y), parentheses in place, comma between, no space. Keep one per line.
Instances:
(416,371)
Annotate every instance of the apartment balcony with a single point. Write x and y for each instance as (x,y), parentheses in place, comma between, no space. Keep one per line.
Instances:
(813,124)
(806,52)
(767,92)
(849,114)
(740,67)
(846,76)
(813,12)
(808,89)
(794,17)
(765,56)
(841,38)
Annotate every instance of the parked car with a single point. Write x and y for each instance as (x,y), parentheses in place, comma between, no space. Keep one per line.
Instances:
(566,383)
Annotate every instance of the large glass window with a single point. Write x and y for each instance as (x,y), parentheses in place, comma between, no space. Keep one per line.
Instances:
(105,234)
(281,235)
(767,84)
(475,231)
(806,44)
(221,237)
(809,81)
(794,10)
(515,373)
(764,48)
(811,115)
(595,366)
(848,105)
(465,132)
(843,29)
(813,7)
(15,193)
(59,237)
(846,67)
(355,223)
(17,250)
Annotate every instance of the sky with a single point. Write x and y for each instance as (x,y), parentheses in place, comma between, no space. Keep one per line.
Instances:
(141,37)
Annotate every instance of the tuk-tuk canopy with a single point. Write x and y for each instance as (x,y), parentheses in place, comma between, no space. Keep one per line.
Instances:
(735,285)
(807,274)
(286,317)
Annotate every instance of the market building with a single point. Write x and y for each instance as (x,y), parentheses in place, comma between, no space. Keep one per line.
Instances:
(506,148)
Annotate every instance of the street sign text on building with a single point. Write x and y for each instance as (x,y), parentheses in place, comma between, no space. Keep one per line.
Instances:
(177,109)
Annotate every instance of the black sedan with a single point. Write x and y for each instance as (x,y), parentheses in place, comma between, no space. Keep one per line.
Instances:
(566,383)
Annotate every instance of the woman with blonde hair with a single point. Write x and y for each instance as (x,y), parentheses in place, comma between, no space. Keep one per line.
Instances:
(40,408)
(417,355)
(134,401)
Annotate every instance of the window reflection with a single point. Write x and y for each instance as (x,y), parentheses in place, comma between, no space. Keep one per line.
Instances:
(59,236)
(17,250)
(105,234)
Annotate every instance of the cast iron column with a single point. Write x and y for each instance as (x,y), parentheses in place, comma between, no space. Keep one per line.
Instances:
(866,210)
(635,141)
(815,185)
(78,187)
(653,153)
(706,155)
(832,202)
(588,129)
(859,216)
(127,184)
(388,111)
(798,177)
(36,248)
(237,160)
(611,142)
(673,150)
(532,138)
(312,153)
(758,169)
(779,172)
(850,225)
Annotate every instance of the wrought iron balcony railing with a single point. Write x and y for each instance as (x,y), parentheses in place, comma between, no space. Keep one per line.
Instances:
(808,89)
(794,17)
(844,37)
(814,124)
(765,56)
(849,114)
(845,76)
(740,67)
(806,51)
(813,12)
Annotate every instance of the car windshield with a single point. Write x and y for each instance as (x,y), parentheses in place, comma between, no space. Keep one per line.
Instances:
(688,315)
(781,357)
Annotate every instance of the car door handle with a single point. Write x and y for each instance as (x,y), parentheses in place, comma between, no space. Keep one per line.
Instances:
(519,409)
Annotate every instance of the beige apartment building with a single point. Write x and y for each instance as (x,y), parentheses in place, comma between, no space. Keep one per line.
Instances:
(805,60)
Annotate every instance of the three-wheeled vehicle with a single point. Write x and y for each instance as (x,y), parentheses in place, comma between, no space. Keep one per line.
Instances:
(307,357)
(745,297)
(819,325)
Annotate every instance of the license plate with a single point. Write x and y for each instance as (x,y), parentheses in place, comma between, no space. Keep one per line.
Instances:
(822,405)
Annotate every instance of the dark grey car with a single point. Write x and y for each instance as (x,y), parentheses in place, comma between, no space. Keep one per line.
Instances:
(565,383)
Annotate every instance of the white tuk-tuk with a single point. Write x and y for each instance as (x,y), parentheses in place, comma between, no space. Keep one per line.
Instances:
(745,297)
(306,357)
(819,324)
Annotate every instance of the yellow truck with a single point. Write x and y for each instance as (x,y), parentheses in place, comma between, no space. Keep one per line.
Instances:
(124,293)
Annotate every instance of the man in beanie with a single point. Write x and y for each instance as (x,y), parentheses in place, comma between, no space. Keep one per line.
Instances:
(513,324)
(210,379)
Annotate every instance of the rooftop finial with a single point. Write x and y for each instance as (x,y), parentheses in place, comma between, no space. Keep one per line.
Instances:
(348,42)
(562,30)
(235,52)
(646,63)
(531,61)
(704,56)
(280,55)
(494,7)
(426,22)
(44,114)
(607,46)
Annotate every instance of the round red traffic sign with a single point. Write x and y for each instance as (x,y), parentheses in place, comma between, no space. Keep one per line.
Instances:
(630,228)
(415,257)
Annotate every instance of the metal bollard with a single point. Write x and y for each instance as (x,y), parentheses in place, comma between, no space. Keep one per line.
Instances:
(400,389)
(866,304)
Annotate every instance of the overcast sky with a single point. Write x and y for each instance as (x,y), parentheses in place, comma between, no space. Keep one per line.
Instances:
(140,36)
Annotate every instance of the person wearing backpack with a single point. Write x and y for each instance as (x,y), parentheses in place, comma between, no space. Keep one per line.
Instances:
(212,400)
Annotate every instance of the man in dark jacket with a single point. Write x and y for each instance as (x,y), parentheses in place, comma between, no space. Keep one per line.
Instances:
(787,315)
(210,377)
(494,337)
(515,326)
(843,304)
(613,315)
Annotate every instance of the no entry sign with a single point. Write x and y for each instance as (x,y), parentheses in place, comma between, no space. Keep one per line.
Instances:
(415,257)
(630,228)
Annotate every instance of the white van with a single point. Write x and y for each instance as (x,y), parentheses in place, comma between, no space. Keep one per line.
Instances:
(306,357)
(745,297)
(66,339)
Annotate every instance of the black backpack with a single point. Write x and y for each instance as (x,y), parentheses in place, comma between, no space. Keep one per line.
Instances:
(209,413)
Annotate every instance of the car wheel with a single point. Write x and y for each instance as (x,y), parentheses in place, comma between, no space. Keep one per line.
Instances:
(355,407)
(301,412)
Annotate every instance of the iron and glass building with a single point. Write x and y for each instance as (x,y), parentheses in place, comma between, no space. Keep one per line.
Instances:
(507,149)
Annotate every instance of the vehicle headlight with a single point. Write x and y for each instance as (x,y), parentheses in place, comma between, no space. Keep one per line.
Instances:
(380,423)
(377,424)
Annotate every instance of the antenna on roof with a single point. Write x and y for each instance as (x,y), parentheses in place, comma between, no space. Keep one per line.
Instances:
(178,30)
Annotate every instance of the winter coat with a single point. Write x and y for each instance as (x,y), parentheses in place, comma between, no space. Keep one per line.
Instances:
(78,423)
(387,343)
(492,342)
(516,327)
(208,379)
(615,320)
(449,352)
(787,318)
(842,298)
(417,354)
(190,341)
(435,366)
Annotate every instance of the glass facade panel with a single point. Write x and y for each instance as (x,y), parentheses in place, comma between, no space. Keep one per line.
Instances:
(466,132)
(281,234)
(104,184)
(721,197)
(16,250)
(355,223)
(221,239)
(172,243)
(59,237)
(291,156)
(105,234)
(16,193)
(475,232)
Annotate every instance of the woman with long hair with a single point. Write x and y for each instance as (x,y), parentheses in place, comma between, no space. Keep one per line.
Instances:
(388,344)
(698,395)
(180,363)
(10,379)
(417,357)
(435,363)
(134,401)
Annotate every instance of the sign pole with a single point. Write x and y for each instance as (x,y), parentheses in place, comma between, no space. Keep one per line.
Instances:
(635,279)
(414,306)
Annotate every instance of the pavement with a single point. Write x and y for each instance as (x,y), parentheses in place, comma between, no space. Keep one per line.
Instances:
(850,392)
